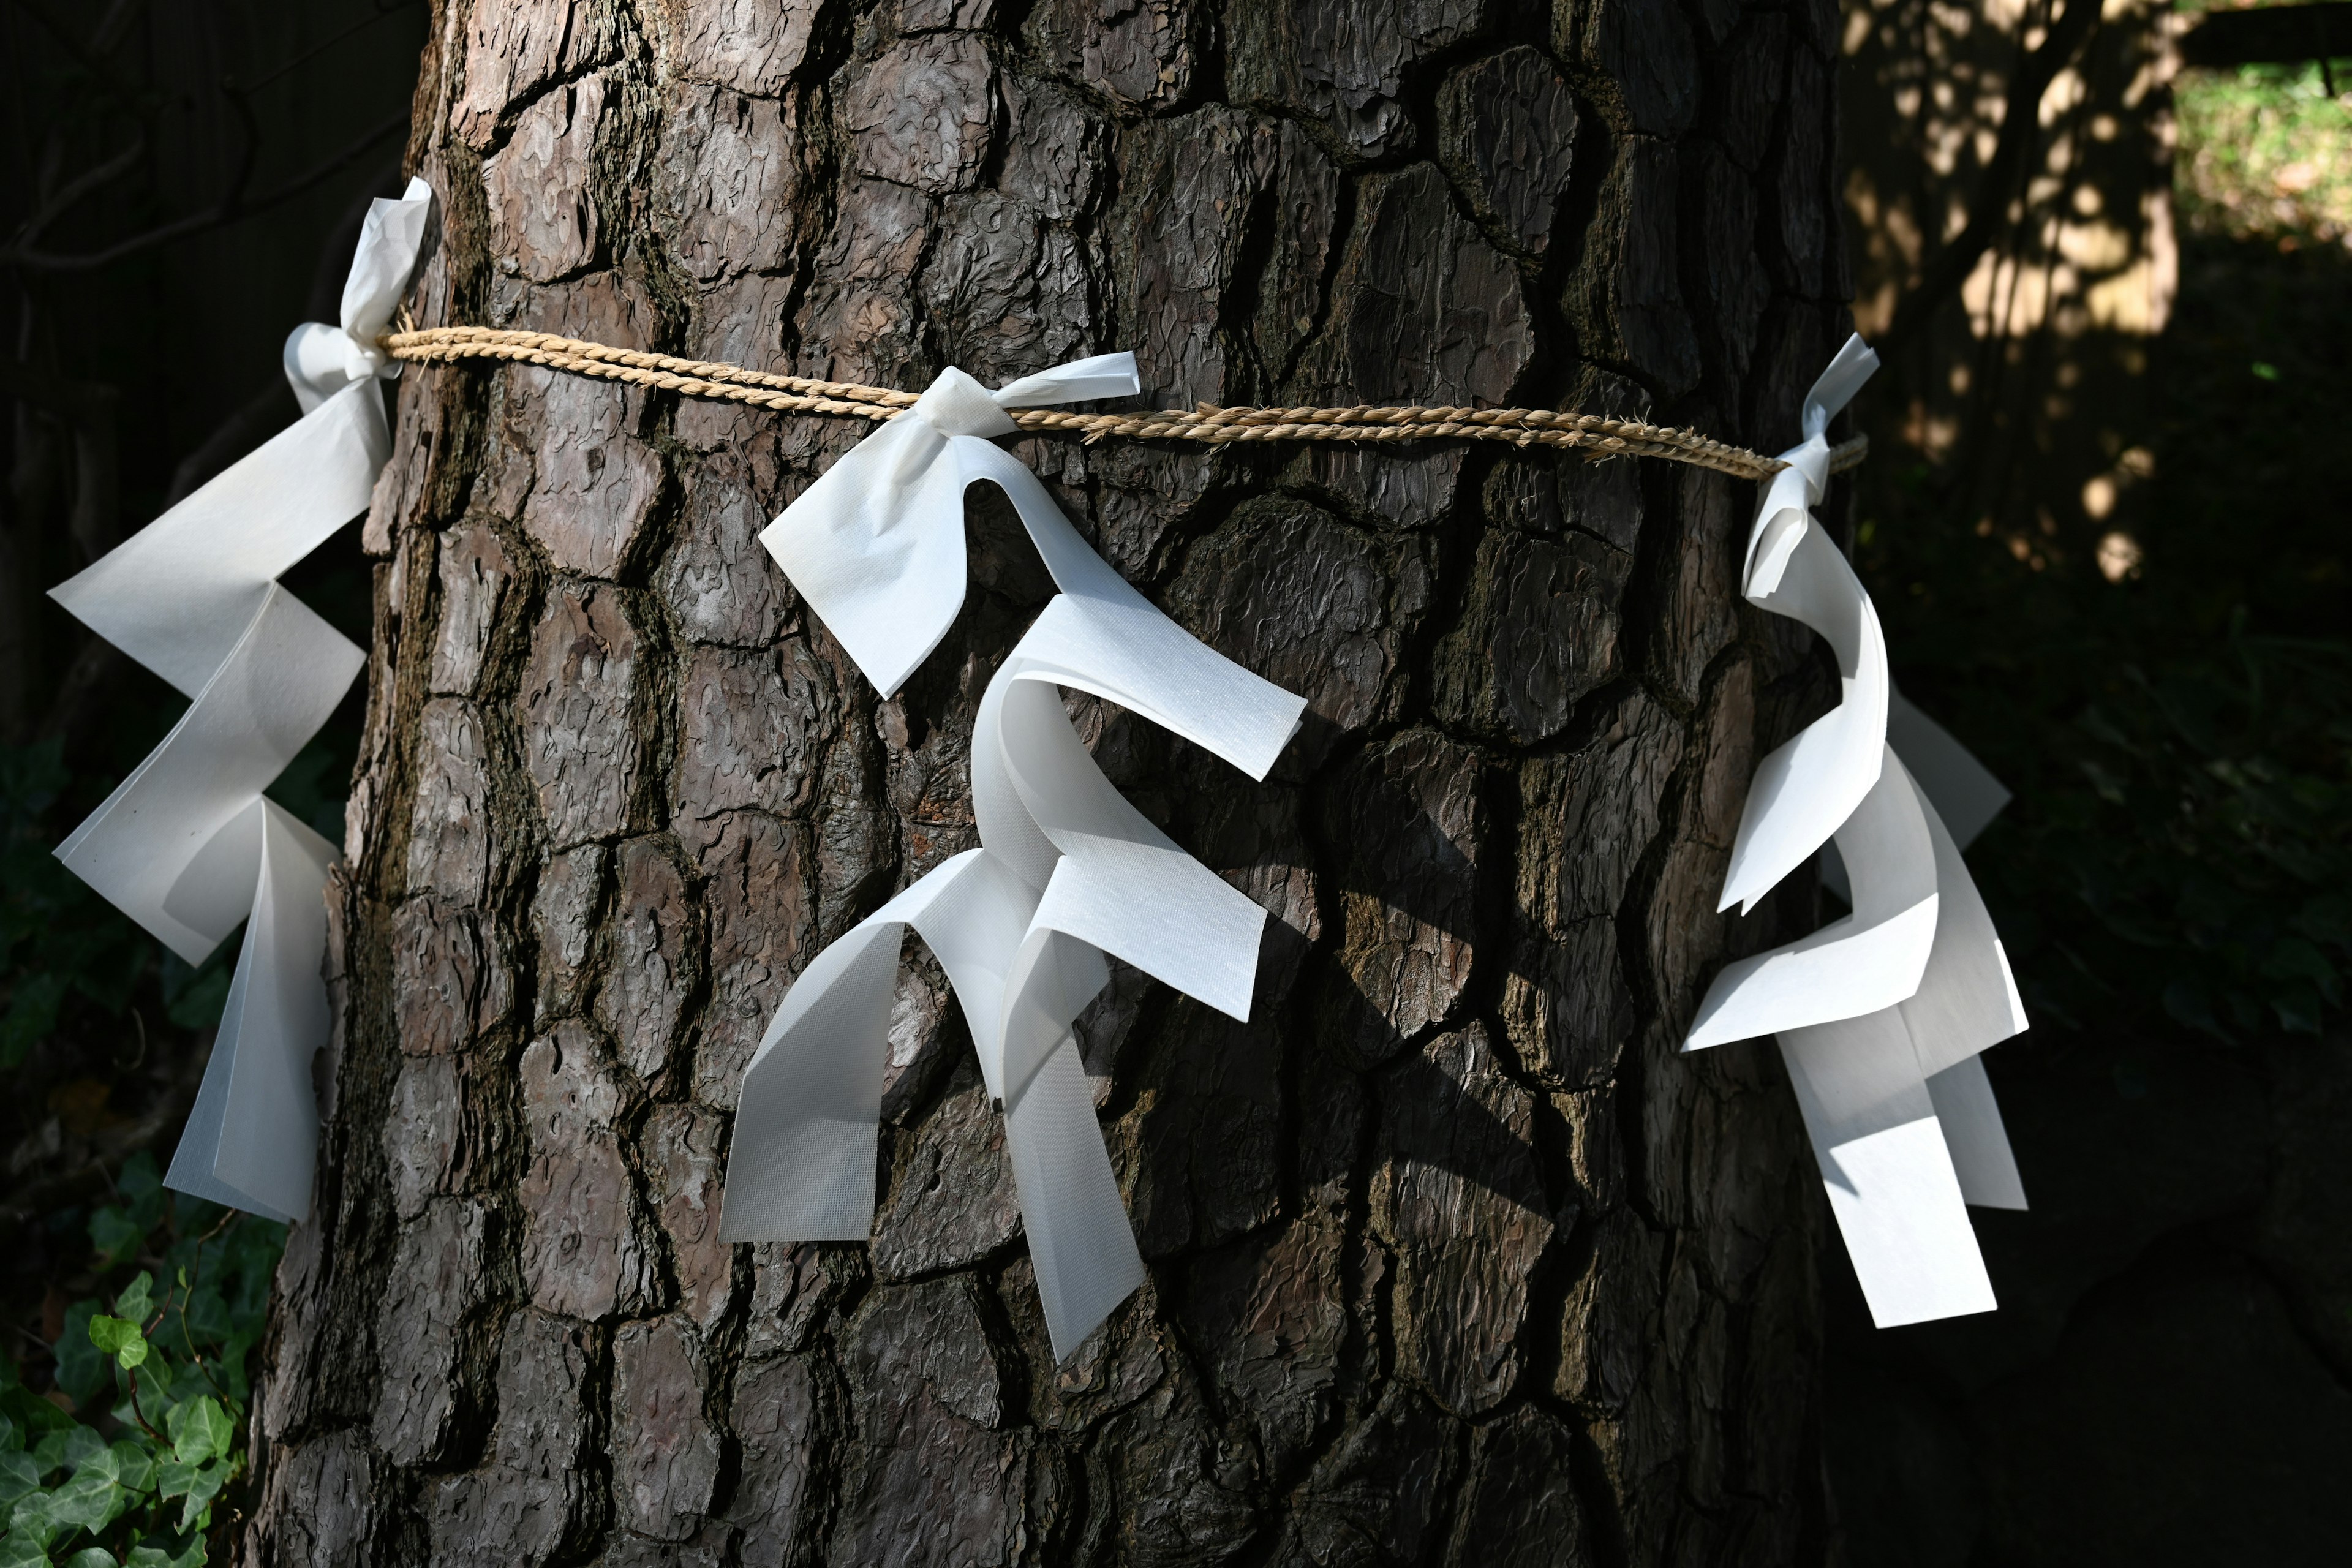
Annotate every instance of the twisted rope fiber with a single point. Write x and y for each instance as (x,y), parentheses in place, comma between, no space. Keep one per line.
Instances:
(800,395)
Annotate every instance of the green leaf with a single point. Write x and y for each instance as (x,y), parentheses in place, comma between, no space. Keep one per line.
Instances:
(34,1417)
(173,1478)
(141,1182)
(17,1479)
(10,1438)
(91,1557)
(137,1301)
(91,1501)
(32,1520)
(102,1466)
(119,1338)
(156,1557)
(81,1370)
(195,996)
(134,1467)
(186,1383)
(114,1235)
(21,1550)
(200,1430)
(203,1486)
(208,1319)
(69,1448)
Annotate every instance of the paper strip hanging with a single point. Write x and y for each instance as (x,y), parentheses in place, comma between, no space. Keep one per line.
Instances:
(1066,871)
(1881,1015)
(189,846)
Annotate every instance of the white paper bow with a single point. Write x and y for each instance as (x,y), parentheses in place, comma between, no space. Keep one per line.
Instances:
(1066,871)
(188,846)
(1880,1015)
(875,545)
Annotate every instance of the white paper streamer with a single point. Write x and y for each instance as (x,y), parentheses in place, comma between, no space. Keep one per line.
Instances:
(187,846)
(1881,1015)
(1066,871)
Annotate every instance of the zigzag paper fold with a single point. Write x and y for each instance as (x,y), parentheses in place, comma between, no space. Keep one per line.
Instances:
(1066,871)
(188,846)
(1882,1015)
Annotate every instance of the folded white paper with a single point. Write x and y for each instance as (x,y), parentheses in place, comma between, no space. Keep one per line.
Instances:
(1974,1136)
(876,545)
(1066,871)
(1881,1015)
(254,1131)
(1890,1177)
(1967,797)
(1804,790)
(1873,958)
(187,846)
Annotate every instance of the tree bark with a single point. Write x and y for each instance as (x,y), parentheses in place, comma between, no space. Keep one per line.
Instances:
(1454,1258)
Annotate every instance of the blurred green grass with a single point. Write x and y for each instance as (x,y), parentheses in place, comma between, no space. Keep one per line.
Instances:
(2266,153)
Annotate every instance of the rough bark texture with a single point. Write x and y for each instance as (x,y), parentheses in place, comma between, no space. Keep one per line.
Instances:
(1453,1258)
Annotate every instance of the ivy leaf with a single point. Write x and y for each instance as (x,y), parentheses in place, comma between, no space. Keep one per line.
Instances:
(203,1486)
(94,1497)
(17,1479)
(200,1430)
(156,1557)
(34,1417)
(81,1370)
(103,1467)
(137,1301)
(114,1235)
(173,1478)
(30,1523)
(141,1186)
(119,1338)
(91,1501)
(91,1557)
(21,1550)
(132,1467)
(69,1448)
(196,997)
(207,1316)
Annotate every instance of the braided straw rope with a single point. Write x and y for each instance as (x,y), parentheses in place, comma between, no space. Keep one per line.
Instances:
(800,395)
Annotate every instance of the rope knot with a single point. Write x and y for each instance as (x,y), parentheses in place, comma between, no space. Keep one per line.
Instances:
(321,360)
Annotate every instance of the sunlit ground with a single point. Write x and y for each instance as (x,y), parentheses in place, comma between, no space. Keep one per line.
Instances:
(2266,154)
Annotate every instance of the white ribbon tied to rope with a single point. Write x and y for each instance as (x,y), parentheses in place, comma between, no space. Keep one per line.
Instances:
(1066,871)
(188,846)
(1881,1015)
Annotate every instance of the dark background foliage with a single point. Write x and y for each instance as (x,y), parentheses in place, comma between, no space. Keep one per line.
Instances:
(2167,1379)
(179,185)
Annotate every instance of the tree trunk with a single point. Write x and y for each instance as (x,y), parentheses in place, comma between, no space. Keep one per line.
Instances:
(1454,1258)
